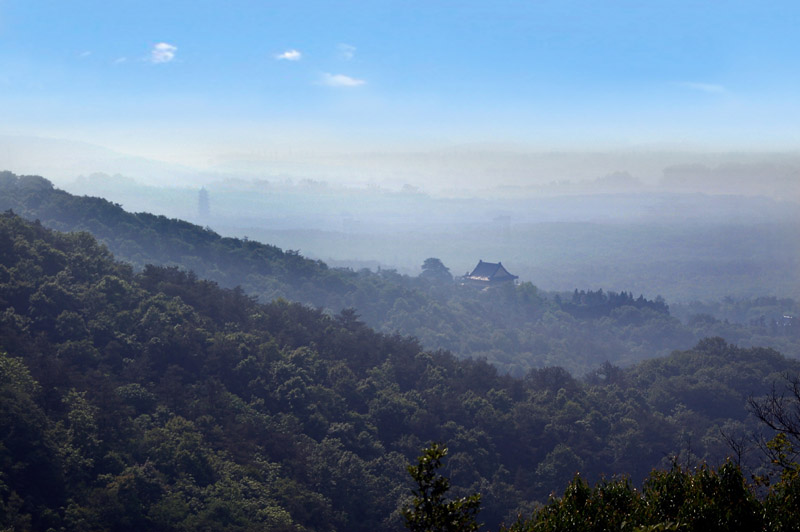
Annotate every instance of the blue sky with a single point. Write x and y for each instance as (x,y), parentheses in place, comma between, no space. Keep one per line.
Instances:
(192,80)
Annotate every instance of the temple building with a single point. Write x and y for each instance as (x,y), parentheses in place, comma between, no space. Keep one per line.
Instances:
(489,273)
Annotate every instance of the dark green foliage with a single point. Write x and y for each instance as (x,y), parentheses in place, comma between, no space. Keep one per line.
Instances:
(160,401)
(783,503)
(431,512)
(30,471)
(701,500)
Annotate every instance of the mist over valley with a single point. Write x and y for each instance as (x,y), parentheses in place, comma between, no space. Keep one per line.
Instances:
(379,266)
(683,246)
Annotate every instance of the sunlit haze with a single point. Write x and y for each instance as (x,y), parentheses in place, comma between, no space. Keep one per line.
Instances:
(268,265)
(262,86)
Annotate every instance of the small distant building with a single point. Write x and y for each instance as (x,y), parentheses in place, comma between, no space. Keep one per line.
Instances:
(488,274)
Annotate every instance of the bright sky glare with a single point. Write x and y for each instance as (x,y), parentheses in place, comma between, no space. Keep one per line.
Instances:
(190,80)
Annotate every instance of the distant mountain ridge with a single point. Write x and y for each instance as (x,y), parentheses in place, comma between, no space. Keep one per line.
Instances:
(144,238)
(65,160)
(514,327)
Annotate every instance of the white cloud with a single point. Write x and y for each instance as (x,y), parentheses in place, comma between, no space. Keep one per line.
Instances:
(340,80)
(163,52)
(347,51)
(290,55)
(710,88)
(87,53)
(119,60)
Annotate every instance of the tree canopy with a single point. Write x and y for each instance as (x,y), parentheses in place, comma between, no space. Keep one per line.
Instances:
(159,400)
(433,270)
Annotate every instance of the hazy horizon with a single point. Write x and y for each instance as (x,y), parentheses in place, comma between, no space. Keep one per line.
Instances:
(480,170)
(375,133)
(445,95)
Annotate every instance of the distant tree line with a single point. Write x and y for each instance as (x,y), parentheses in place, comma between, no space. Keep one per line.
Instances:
(589,304)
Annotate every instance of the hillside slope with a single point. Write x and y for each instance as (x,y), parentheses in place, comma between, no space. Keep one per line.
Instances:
(159,401)
(516,328)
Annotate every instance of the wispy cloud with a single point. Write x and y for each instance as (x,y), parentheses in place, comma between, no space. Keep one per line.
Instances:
(119,60)
(710,88)
(340,80)
(87,53)
(163,52)
(290,55)
(347,51)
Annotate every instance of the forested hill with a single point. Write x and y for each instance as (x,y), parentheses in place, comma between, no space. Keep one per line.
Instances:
(516,328)
(160,401)
(143,238)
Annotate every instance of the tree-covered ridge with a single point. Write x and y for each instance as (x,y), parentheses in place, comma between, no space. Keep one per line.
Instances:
(143,238)
(157,400)
(515,328)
